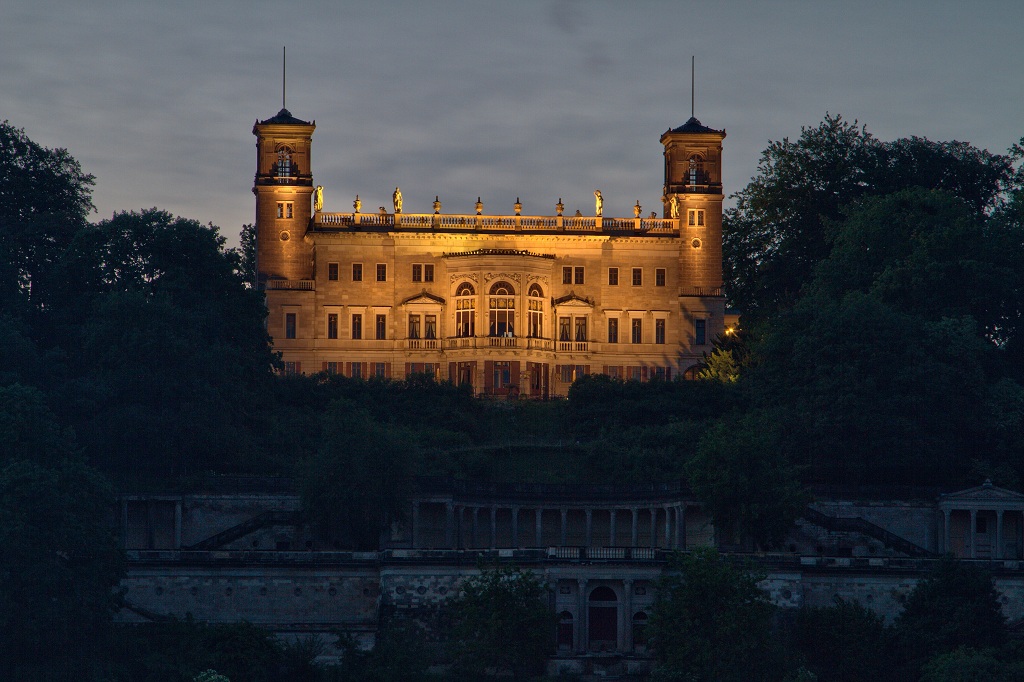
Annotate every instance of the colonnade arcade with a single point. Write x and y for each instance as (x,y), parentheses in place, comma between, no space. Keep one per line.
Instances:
(985,522)
(452,524)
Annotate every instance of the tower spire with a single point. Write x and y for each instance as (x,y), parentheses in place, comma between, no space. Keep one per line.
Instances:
(284,74)
(693,60)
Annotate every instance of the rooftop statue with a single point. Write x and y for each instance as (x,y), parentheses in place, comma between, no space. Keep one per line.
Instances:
(396,198)
(318,198)
(598,202)
(674,207)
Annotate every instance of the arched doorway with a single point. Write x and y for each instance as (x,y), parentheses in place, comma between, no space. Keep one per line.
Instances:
(640,631)
(603,620)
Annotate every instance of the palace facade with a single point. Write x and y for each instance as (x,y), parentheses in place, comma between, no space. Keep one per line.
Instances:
(510,304)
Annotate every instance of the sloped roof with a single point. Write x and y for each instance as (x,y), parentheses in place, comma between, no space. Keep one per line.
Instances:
(985,496)
(285,116)
(694,126)
(423,297)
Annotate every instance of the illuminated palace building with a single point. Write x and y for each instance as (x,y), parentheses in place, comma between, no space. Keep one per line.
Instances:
(511,304)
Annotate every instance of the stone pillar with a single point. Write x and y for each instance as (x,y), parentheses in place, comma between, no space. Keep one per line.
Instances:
(124,524)
(494,527)
(681,526)
(515,526)
(946,549)
(474,538)
(627,610)
(565,513)
(460,525)
(654,528)
(590,518)
(449,525)
(668,528)
(415,523)
(633,531)
(177,524)
(972,538)
(999,534)
(581,630)
(611,528)
(538,515)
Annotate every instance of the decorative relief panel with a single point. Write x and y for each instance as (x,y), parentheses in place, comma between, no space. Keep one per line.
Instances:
(515,276)
(468,275)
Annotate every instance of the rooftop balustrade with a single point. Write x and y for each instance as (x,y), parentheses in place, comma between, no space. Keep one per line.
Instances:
(496,223)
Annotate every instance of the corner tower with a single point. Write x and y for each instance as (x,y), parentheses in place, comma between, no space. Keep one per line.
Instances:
(283,189)
(693,194)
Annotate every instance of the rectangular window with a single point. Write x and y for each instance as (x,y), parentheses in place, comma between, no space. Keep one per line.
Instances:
(638,277)
(331,367)
(636,331)
(288,210)
(659,331)
(417,272)
(284,209)
(579,275)
(563,329)
(428,272)
(567,275)
(332,325)
(380,370)
(581,329)
(613,277)
(635,373)
(357,272)
(280,210)
(382,272)
(613,330)
(663,373)
(357,326)
(289,325)
(357,370)
(291,368)
(430,326)
(332,272)
(659,277)
(414,326)
(700,332)
(695,217)
(382,326)
(502,374)
(568,372)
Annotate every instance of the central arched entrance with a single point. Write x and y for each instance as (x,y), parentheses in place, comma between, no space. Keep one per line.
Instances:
(603,620)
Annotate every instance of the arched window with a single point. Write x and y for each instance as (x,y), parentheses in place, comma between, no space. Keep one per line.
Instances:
(640,630)
(565,624)
(696,174)
(465,310)
(285,170)
(536,328)
(502,305)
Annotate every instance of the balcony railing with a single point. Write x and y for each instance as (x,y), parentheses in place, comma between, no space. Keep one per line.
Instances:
(574,346)
(498,223)
(291,284)
(422,344)
(703,291)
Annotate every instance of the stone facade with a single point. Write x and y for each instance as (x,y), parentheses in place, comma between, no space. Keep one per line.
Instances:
(224,557)
(511,304)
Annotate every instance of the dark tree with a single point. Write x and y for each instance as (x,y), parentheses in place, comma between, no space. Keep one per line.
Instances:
(845,642)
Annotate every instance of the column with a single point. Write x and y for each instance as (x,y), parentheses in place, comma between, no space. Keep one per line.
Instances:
(627,609)
(565,512)
(633,534)
(474,538)
(494,527)
(999,534)
(681,527)
(668,528)
(974,527)
(124,524)
(449,525)
(590,518)
(581,628)
(515,526)
(611,528)
(946,549)
(415,522)
(177,524)
(654,528)
(460,525)
(538,515)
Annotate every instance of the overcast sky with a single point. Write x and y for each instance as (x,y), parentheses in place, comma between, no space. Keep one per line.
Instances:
(530,99)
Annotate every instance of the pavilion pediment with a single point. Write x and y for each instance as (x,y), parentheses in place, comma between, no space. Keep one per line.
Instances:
(424,297)
(982,497)
(573,301)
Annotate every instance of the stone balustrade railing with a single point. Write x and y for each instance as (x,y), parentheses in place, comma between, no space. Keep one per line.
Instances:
(513,223)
